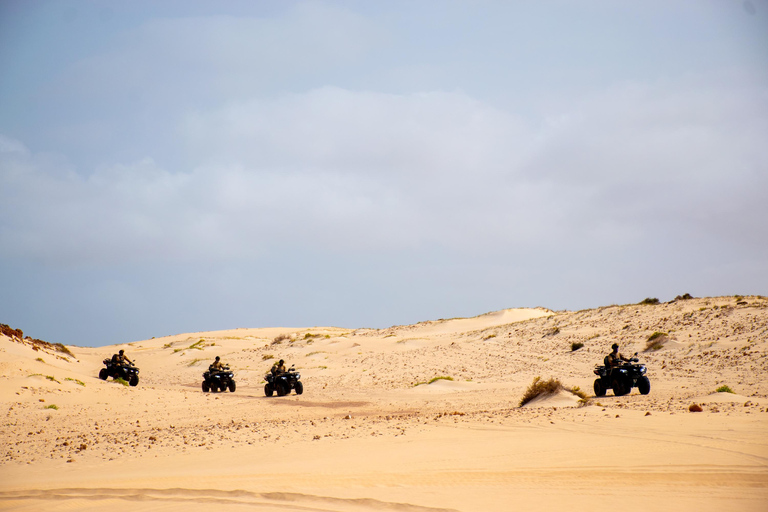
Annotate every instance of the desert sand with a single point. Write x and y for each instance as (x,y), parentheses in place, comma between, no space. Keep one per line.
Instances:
(371,432)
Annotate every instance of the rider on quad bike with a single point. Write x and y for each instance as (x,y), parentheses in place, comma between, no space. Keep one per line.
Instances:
(621,374)
(120,367)
(218,378)
(282,381)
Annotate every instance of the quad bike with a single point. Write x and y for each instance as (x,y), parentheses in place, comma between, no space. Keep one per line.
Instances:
(622,378)
(219,380)
(283,383)
(118,371)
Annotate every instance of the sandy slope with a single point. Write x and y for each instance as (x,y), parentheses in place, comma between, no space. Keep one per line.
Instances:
(369,433)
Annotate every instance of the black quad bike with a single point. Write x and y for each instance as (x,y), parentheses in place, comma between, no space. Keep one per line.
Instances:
(622,378)
(283,383)
(219,380)
(128,373)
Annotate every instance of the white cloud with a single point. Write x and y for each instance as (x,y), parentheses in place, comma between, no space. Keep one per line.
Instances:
(364,172)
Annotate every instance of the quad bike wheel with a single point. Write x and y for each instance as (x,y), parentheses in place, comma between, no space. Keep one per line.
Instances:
(103,374)
(644,385)
(134,380)
(232,386)
(268,390)
(599,389)
(280,389)
(618,387)
(206,387)
(299,388)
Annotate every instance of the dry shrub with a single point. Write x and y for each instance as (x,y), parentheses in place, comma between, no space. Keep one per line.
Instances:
(695,408)
(61,348)
(656,341)
(686,296)
(540,387)
(11,332)
(34,343)
(650,301)
(280,338)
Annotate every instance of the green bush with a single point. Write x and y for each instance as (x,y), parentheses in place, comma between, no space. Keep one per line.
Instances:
(724,389)
(650,301)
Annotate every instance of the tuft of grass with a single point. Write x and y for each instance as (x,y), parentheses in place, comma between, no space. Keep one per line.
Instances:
(267,356)
(576,345)
(650,301)
(52,379)
(695,408)
(177,350)
(120,380)
(434,379)
(724,389)
(52,406)
(486,338)
(194,362)
(198,345)
(540,387)
(579,393)
(656,341)
(61,348)
(280,338)
(76,381)
(40,359)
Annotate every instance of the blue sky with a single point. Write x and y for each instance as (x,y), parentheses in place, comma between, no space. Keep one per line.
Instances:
(178,166)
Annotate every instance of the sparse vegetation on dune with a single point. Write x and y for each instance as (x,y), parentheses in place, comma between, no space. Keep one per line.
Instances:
(18,335)
(434,379)
(549,387)
(650,301)
(280,338)
(724,389)
(540,387)
(656,341)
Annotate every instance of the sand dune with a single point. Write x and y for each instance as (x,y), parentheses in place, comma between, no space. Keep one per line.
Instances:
(414,418)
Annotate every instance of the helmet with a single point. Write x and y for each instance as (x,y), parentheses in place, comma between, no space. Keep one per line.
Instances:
(121,351)
(281,361)
(614,346)
(217,358)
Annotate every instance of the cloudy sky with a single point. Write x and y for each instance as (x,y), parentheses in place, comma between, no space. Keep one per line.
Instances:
(177,166)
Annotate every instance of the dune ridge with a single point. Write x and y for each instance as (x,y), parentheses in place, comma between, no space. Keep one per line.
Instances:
(414,417)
